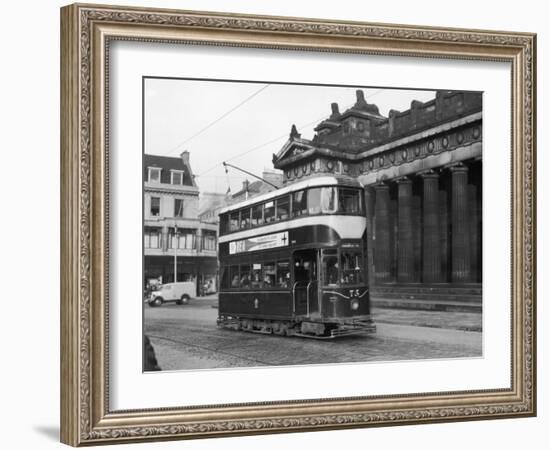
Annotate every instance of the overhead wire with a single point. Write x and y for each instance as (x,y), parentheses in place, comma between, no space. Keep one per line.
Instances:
(223,116)
(232,158)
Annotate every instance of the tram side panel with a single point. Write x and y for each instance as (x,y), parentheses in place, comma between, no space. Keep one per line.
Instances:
(268,303)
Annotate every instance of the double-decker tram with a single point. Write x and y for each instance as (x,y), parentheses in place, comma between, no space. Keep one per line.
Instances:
(292,261)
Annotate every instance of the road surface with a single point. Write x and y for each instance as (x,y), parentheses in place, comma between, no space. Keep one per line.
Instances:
(186,337)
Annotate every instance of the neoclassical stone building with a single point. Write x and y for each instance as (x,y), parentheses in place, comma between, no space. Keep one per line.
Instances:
(422,172)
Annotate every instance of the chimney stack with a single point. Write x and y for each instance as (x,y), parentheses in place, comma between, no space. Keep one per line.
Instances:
(335,111)
(185,157)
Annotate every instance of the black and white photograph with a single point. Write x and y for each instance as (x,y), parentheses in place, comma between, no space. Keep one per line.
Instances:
(293,224)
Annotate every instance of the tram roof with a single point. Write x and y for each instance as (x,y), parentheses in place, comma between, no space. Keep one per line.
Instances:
(308,183)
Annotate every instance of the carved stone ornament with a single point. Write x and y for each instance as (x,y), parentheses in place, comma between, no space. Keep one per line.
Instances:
(87,32)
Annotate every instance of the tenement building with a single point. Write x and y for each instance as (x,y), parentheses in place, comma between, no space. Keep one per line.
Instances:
(176,241)
(422,172)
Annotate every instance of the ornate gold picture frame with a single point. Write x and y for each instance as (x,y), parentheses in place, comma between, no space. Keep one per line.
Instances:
(87,31)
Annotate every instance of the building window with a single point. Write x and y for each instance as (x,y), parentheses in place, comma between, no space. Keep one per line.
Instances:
(177,177)
(155,206)
(209,240)
(184,239)
(178,207)
(154,174)
(151,238)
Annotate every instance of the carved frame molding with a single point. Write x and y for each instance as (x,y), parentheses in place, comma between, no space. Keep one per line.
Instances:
(86,31)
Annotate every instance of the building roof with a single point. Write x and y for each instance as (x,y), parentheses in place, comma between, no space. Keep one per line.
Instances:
(168,163)
(210,201)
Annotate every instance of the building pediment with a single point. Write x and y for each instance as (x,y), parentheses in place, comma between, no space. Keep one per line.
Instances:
(293,147)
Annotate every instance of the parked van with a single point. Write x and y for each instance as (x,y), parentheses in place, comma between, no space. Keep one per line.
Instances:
(180,293)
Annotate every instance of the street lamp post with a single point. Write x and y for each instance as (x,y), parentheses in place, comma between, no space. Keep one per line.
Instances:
(176,243)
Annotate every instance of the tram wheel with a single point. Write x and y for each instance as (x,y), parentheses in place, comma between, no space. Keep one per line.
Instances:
(281,329)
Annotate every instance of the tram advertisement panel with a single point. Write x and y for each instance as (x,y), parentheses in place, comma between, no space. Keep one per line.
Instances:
(259,243)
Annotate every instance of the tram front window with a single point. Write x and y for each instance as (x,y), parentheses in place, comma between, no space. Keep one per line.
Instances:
(330,270)
(352,267)
(349,201)
(322,200)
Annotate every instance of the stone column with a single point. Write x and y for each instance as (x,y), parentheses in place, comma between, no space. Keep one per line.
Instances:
(405,250)
(460,225)
(444,235)
(417,236)
(382,252)
(431,249)
(369,203)
(474,232)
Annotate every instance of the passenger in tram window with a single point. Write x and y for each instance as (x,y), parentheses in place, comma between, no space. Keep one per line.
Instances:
(283,282)
(245,280)
(269,274)
(256,276)
(235,281)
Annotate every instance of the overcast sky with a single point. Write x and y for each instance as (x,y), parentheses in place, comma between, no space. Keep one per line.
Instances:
(243,123)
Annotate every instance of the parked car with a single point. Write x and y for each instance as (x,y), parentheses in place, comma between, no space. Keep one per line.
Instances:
(181,293)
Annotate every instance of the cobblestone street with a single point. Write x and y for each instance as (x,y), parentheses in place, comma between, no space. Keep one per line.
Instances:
(186,337)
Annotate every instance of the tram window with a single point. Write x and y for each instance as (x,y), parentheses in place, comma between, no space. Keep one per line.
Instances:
(328,199)
(283,207)
(352,267)
(349,201)
(234,275)
(269,274)
(245,276)
(257,215)
(299,203)
(330,270)
(256,280)
(226,280)
(321,200)
(245,218)
(314,200)
(234,221)
(283,274)
(269,212)
(224,223)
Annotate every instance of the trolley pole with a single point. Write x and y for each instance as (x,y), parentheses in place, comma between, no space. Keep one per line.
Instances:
(176,253)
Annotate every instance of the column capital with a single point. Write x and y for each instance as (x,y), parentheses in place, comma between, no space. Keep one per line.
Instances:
(458,167)
(430,173)
(403,180)
(381,186)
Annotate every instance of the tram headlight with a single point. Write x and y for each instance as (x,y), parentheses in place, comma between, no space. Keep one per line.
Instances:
(355,304)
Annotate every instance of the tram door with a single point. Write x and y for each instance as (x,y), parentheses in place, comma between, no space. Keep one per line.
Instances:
(306,282)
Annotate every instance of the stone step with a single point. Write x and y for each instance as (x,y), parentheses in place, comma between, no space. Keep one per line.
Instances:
(428,305)
(463,289)
(431,296)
